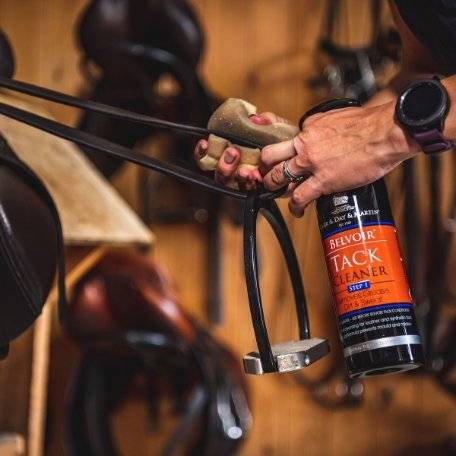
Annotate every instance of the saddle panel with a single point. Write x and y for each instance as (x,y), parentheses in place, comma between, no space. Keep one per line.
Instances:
(28,243)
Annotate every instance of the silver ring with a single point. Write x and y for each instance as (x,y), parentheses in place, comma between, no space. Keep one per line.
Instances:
(289,176)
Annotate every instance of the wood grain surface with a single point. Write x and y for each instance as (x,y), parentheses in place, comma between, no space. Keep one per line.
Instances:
(91,211)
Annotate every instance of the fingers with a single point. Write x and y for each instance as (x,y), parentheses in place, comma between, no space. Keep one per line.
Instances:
(276,178)
(289,191)
(200,150)
(267,118)
(274,118)
(247,178)
(260,119)
(276,153)
(230,172)
(249,173)
(303,195)
(227,165)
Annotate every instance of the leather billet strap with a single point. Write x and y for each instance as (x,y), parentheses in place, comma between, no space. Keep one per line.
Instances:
(217,398)
(118,113)
(102,145)
(86,139)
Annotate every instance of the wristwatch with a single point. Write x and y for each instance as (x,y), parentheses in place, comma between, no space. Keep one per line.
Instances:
(421,109)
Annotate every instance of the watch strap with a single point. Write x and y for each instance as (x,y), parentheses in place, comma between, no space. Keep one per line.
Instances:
(432,141)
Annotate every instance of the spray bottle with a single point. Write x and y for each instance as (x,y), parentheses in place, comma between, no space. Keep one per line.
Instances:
(372,297)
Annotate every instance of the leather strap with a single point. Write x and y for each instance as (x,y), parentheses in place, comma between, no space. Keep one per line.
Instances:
(217,400)
(86,139)
(432,141)
(119,113)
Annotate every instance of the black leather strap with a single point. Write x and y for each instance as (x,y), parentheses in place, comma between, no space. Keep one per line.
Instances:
(86,139)
(119,113)
(103,145)
(217,401)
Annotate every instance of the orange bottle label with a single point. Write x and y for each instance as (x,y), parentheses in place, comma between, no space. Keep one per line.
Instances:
(366,268)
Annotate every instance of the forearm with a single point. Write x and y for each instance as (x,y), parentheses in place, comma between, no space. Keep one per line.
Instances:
(389,93)
(388,96)
(394,87)
(449,130)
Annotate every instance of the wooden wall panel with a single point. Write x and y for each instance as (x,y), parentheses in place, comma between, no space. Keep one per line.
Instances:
(260,50)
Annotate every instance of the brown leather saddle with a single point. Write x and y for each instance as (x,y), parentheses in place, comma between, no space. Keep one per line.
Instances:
(125,314)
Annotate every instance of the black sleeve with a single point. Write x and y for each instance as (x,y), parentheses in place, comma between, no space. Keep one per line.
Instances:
(434,23)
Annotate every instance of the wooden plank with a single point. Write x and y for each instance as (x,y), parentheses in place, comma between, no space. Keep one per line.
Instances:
(91,211)
(15,373)
(79,261)
(38,384)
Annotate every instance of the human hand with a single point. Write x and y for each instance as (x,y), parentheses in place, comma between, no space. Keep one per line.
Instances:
(229,170)
(339,150)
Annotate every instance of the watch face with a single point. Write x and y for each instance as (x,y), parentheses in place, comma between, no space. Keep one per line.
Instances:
(423,104)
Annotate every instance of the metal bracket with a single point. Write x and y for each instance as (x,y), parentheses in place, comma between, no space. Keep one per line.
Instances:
(289,356)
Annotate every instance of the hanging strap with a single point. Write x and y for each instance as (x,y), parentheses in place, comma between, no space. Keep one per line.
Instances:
(102,145)
(119,113)
(86,139)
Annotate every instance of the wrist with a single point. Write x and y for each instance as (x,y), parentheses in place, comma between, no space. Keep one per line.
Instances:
(403,145)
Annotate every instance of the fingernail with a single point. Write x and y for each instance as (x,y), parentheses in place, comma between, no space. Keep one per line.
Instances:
(229,158)
(243,173)
(258,120)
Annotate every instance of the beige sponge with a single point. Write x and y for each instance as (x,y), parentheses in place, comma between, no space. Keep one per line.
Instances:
(232,117)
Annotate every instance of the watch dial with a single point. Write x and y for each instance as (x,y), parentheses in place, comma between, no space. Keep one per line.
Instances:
(422,101)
